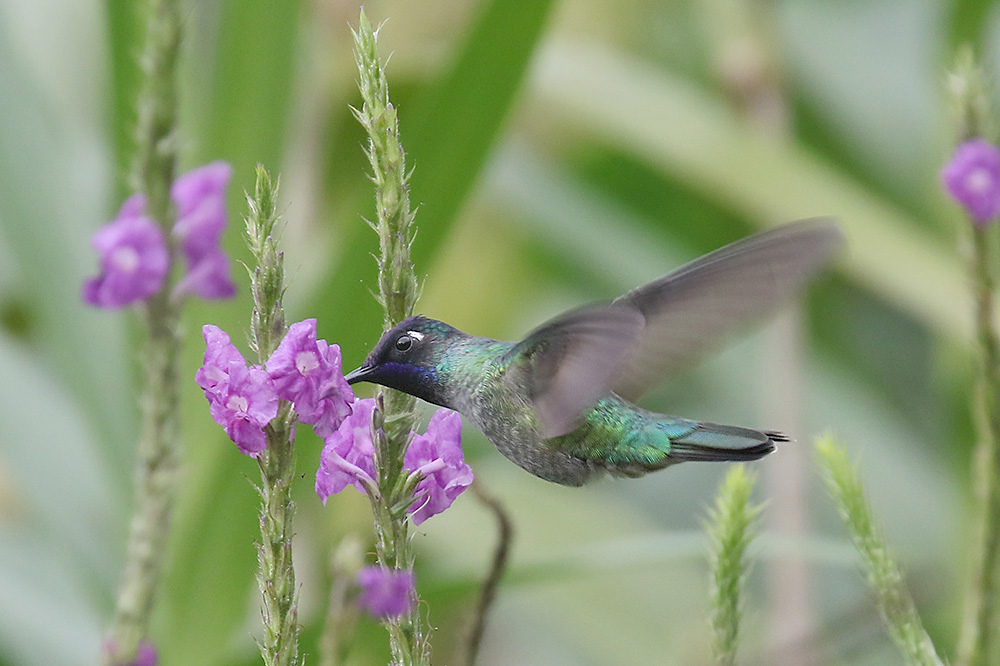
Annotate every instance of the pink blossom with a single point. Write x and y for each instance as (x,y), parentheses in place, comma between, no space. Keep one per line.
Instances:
(240,399)
(306,372)
(386,592)
(972,178)
(134,260)
(437,456)
(348,454)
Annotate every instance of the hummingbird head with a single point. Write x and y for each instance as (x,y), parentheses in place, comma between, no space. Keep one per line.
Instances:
(407,358)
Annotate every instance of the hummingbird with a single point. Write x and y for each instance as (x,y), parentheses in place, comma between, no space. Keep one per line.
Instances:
(560,403)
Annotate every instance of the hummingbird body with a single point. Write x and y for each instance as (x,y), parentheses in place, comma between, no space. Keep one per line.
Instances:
(558,403)
(482,379)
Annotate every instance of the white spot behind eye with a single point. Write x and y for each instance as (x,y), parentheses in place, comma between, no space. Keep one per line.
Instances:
(416,335)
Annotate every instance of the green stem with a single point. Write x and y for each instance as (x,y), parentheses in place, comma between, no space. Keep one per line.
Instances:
(276,577)
(394,416)
(881,572)
(977,641)
(730,532)
(342,613)
(408,637)
(156,463)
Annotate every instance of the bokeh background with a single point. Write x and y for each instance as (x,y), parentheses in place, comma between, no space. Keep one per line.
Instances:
(563,152)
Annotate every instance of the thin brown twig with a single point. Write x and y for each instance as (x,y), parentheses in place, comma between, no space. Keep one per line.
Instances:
(488,590)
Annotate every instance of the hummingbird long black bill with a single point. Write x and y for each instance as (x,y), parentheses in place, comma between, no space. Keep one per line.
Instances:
(358,375)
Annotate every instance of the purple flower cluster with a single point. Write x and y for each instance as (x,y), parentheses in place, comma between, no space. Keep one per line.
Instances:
(302,370)
(972,178)
(135,257)
(386,592)
(435,456)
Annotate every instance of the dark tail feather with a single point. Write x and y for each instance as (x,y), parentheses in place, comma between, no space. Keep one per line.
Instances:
(710,441)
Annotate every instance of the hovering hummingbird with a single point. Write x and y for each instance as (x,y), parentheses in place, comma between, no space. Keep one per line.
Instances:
(558,403)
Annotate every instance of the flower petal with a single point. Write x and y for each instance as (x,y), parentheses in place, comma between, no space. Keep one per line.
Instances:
(386,592)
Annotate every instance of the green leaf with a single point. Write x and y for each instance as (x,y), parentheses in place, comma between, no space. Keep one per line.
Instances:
(697,140)
(447,138)
(124,21)
(252,85)
(458,119)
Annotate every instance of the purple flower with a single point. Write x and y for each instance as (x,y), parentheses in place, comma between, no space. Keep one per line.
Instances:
(437,456)
(347,459)
(348,453)
(219,353)
(972,178)
(335,396)
(245,406)
(307,373)
(134,255)
(210,277)
(134,259)
(241,399)
(386,592)
(144,656)
(200,199)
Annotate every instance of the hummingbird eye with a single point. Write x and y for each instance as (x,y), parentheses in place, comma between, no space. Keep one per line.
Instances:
(404,342)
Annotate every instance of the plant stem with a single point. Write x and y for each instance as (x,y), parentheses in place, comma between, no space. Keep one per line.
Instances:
(976,644)
(973,115)
(156,463)
(276,577)
(730,531)
(342,614)
(394,415)
(488,590)
(881,572)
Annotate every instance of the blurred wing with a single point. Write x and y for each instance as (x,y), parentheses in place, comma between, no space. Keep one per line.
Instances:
(690,310)
(571,361)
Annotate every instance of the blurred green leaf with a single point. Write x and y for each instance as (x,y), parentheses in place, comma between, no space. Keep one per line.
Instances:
(47,237)
(458,118)
(46,615)
(252,83)
(125,22)
(697,140)
(968,22)
(447,138)
(66,491)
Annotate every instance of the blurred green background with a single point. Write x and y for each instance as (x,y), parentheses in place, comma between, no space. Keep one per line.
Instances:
(563,152)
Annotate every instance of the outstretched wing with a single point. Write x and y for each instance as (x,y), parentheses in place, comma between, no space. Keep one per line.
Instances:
(571,361)
(691,309)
